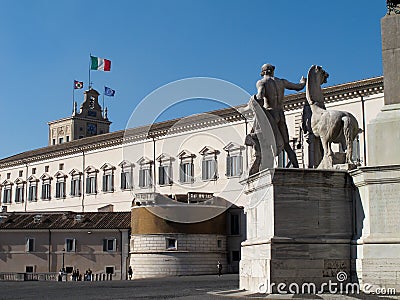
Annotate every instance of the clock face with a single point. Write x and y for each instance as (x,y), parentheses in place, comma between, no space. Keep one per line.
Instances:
(91,128)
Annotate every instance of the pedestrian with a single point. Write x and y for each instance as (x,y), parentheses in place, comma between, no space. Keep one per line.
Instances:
(78,275)
(89,275)
(130,272)
(219,266)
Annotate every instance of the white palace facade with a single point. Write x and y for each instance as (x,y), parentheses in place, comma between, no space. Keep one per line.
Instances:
(86,168)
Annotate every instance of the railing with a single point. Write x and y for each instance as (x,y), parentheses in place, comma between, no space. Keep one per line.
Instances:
(28,276)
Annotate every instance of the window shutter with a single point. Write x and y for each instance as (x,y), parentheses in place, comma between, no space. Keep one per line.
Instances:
(240,162)
(72,187)
(141,175)
(228,165)
(203,169)
(104,245)
(181,173)
(87,185)
(104,182)
(95,184)
(161,175)
(112,182)
(123,181)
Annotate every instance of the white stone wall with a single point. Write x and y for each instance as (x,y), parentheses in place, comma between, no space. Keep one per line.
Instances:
(195,254)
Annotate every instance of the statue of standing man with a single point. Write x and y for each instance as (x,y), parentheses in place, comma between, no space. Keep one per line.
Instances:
(270,95)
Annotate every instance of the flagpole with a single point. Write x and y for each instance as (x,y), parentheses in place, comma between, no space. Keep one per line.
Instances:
(73,98)
(103,105)
(90,65)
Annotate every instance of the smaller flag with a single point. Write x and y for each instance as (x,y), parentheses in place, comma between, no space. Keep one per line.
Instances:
(100,64)
(109,92)
(78,84)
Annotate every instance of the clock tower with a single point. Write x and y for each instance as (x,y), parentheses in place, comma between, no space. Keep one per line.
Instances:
(89,121)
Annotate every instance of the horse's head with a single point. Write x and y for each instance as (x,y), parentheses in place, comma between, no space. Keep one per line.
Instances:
(315,77)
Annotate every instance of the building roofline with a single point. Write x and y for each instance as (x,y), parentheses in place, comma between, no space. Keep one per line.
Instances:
(65,220)
(334,93)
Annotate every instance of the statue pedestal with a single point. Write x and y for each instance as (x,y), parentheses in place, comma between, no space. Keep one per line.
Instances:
(377,245)
(299,228)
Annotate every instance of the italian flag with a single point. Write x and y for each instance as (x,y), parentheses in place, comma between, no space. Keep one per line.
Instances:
(100,64)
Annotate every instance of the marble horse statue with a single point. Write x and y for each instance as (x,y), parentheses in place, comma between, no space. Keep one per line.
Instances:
(331,126)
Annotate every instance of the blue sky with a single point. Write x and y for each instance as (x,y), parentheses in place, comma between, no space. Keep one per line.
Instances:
(45,45)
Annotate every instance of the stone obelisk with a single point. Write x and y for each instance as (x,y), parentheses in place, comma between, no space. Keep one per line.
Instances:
(376,250)
(384,131)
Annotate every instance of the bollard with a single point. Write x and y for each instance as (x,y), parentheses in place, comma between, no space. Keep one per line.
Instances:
(104,277)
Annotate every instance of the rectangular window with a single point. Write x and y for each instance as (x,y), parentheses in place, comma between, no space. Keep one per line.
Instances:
(7,194)
(109,245)
(70,245)
(20,173)
(19,193)
(145,178)
(60,140)
(108,182)
(76,186)
(164,175)
(30,245)
(186,172)
(46,168)
(109,270)
(54,141)
(61,166)
(219,243)
(234,224)
(60,189)
(234,165)
(91,184)
(8,175)
(46,190)
(32,192)
(172,244)
(33,170)
(209,169)
(126,180)
(29,269)
(67,138)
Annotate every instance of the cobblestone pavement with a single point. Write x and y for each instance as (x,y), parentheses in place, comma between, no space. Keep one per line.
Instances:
(184,287)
